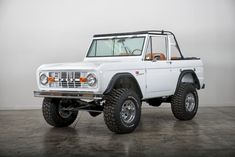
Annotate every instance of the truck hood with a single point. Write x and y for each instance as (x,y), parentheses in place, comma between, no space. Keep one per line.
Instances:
(71,66)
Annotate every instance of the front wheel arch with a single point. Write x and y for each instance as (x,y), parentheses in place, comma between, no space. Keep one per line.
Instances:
(124,80)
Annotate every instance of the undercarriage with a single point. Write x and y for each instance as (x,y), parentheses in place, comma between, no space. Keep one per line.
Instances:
(93,107)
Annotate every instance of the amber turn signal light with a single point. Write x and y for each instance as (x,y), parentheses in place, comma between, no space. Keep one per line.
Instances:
(83,79)
(51,79)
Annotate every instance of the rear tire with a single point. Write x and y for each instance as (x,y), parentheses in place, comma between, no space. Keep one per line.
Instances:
(122,110)
(54,116)
(184,103)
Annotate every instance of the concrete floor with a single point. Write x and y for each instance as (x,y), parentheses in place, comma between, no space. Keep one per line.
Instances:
(210,133)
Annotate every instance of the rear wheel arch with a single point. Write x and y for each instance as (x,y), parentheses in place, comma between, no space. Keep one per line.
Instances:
(124,80)
(188,76)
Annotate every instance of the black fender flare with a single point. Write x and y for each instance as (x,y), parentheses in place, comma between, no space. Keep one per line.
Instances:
(183,73)
(118,76)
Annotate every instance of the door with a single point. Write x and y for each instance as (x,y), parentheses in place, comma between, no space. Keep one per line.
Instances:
(158,67)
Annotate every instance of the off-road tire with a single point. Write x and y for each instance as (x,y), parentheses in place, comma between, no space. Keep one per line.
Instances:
(112,110)
(178,106)
(156,102)
(51,113)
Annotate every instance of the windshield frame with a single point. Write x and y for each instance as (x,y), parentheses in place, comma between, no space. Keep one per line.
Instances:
(116,37)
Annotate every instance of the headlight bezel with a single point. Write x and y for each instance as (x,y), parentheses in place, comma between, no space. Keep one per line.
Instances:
(43,81)
(91,79)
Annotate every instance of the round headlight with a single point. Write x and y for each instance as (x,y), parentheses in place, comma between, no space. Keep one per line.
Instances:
(91,79)
(43,79)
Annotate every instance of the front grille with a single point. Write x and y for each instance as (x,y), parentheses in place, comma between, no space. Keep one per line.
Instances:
(65,79)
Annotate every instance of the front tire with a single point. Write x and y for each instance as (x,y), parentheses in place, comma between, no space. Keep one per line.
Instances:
(122,110)
(184,103)
(54,115)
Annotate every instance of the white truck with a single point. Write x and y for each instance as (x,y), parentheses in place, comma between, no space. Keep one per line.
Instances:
(119,72)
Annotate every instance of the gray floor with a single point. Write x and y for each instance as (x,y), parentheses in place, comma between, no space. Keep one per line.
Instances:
(210,133)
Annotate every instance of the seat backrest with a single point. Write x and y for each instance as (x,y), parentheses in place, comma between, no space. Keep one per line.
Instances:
(158,56)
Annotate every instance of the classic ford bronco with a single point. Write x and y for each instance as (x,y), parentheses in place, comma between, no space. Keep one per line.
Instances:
(119,72)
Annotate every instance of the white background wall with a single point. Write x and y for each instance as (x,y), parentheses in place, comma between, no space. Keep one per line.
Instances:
(45,31)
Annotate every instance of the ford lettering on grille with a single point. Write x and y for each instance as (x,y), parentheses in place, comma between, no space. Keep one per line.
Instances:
(65,79)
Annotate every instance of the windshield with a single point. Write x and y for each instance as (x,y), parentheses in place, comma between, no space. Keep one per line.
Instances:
(125,46)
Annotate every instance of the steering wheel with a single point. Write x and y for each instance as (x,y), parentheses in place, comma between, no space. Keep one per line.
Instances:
(133,52)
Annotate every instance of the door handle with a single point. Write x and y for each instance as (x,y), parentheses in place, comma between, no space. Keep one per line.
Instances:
(169,62)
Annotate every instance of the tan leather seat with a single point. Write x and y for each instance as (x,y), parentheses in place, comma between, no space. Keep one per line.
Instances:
(158,56)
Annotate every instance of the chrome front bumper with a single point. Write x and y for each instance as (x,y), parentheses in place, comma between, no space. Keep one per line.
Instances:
(68,95)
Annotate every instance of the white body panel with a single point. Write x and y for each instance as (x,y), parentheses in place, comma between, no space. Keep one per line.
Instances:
(155,79)
(158,79)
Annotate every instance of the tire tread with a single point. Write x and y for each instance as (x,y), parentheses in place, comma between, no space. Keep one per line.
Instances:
(50,114)
(110,108)
(178,102)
